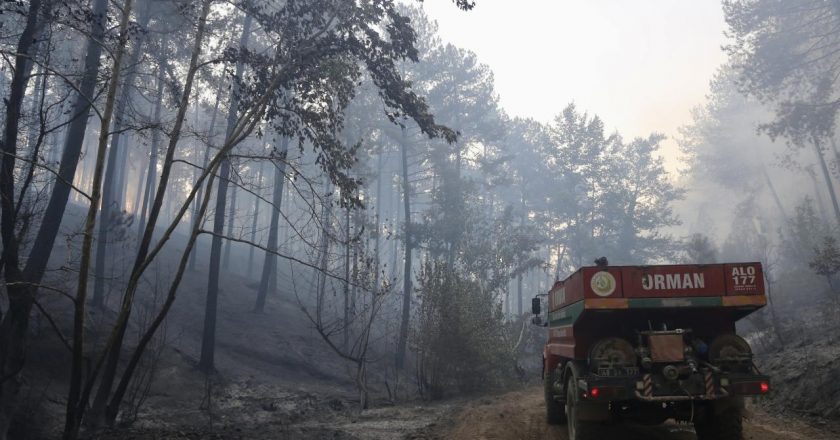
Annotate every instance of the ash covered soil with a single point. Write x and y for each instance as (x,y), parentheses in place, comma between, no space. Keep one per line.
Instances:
(804,378)
(513,415)
(521,415)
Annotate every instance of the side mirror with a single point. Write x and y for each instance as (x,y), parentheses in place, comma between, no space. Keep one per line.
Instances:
(536,306)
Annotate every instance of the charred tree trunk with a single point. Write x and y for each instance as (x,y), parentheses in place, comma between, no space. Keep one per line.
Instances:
(519,277)
(138,188)
(151,171)
(210,134)
(255,221)
(377,222)
(114,405)
(324,247)
(115,341)
(34,142)
(818,194)
(35,109)
(834,150)
(14,324)
(268,279)
(231,217)
(47,233)
(395,250)
(346,329)
(121,185)
(354,274)
(409,246)
(775,195)
(76,404)
(827,177)
(208,340)
(459,198)
(110,193)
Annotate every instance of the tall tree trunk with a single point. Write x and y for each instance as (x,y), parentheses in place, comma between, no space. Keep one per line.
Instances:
(354,275)
(35,138)
(323,248)
(506,305)
(120,186)
(210,135)
(834,149)
(346,329)
(409,246)
(133,362)
(378,222)
(151,171)
(396,210)
(139,187)
(458,197)
(268,278)
(818,195)
(47,233)
(114,345)
(35,109)
(112,187)
(14,324)
(208,339)
(254,221)
(231,217)
(775,195)
(827,176)
(75,405)
(522,217)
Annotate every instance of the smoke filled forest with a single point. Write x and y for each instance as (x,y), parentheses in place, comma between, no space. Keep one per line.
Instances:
(270,219)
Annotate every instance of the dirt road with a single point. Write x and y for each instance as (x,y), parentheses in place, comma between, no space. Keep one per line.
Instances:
(521,415)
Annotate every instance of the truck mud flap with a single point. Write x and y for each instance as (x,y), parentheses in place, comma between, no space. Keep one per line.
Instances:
(593,411)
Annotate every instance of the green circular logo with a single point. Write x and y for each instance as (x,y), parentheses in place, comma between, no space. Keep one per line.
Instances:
(603,284)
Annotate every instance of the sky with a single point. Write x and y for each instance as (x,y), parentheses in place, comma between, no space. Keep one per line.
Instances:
(640,65)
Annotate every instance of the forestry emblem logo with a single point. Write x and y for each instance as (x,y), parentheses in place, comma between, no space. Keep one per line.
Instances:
(603,283)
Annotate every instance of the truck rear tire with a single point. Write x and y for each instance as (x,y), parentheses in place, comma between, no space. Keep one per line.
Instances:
(725,424)
(555,412)
(578,429)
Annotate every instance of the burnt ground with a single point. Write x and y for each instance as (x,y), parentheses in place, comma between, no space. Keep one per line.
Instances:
(282,385)
(513,415)
(521,415)
(804,375)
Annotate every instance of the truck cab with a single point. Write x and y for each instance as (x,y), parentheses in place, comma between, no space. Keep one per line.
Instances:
(651,343)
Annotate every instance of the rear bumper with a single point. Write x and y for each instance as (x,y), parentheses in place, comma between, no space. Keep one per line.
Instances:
(654,388)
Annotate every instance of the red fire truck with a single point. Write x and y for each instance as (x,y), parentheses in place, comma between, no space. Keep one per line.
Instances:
(651,343)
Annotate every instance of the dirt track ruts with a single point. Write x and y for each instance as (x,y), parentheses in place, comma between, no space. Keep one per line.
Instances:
(521,415)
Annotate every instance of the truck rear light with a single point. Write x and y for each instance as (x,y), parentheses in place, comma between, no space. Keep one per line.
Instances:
(749,388)
(606,392)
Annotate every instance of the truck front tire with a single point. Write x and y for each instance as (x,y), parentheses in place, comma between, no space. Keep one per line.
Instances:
(555,411)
